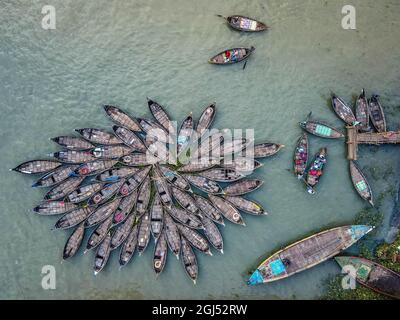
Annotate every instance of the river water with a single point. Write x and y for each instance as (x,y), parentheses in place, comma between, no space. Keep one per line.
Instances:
(119,52)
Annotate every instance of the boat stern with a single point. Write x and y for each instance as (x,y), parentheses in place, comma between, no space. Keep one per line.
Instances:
(255,278)
(343,261)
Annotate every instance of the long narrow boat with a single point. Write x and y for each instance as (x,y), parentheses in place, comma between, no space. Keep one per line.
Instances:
(73,143)
(133,182)
(172,234)
(115,174)
(73,218)
(143,198)
(184,135)
(56,176)
(160,115)
(98,234)
(185,200)
(189,260)
(376,113)
(222,174)
(184,217)
(125,207)
(153,130)
(94,167)
(212,233)
(316,170)
(129,246)
(111,152)
(266,149)
(231,56)
(204,184)
(122,231)
(307,253)
(343,111)
(195,239)
(161,187)
(98,136)
(246,24)
(227,210)
(321,129)
(143,233)
(206,119)
(156,217)
(74,157)
(160,254)
(362,113)
(102,213)
(248,206)
(129,138)
(373,275)
(198,165)
(64,188)
(122,118)
(242,187)
(50,208)
(360,183)
(300,157)
(84,192)
(138,159)
(106,193)
(207,208)
(102,254)
(175,179)
(37,166)
(74,242)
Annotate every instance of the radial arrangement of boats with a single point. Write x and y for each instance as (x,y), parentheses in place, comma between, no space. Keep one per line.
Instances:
(121,189)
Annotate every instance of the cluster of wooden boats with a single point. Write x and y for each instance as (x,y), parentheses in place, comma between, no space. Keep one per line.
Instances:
(235,55)
(113,184)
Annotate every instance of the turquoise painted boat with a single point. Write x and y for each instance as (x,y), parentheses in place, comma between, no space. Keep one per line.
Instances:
(307,253)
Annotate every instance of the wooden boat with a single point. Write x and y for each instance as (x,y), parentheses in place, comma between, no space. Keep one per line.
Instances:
(102,254)
(111,152)
(139,159)
(143,198)
(106,193)
(241,164)
(73,218)
(160,115)
(62,189)
(300,157)
(373,275)
(232,147)
(132,183)
(175,179)
(189,260)
(200,165)
(316,170)
(248,206)
(195,239)
(209,146)
(376,113)
(160,254)
(115,174)
(231,56)
(102,212)
(212,233)
(204,184)
(129,246)
(362,113)
(161,187)
(73,143)
(122,231)
(98,136)
(185,200)
(360,183)
(205,120)
(156,217)
(172,235)
(125,207)
(227,210)
(56,176)
(37,166)
(267,149)
(307,253)
(129,138)
(321,129)
(159,150)
(74,242)
(185,217)
(98,234)
(144,233)
(74,157)
(84,192)
(246,24)
(153,130)
(94,167)
(121,118)
(185,134)
(207,209)
(343,111)
(50,208)
(242,187)
(222,174)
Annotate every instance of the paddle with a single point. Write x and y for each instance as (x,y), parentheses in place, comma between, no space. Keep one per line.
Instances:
(244,66)
(221,16)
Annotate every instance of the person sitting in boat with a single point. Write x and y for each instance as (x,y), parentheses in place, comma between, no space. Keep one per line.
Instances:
(286,262)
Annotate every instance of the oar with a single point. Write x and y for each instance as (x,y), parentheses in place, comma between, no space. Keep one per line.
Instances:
(244,66)
(221,16)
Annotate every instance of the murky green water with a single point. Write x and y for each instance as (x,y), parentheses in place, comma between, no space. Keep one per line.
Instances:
(119,52)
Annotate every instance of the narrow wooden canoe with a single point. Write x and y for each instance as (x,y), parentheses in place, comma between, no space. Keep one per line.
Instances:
(122,231)
(84,192)
(129,246)
(362,113)
(102,254)
(172,235)
(232,147)
(132,183)
(102,213)
(62,189)
(209,145)
(122,118)
(156,217)
(50,208)
(373,275)
(106,192)
(222,174)
(198,165)
(143,233)
(37,166)
(143,198)
(73,218)
(184,135)
(242,187)
(227,210)
(139,159)
(74,242)
(300,157)
(154,130)
(185,200)
(231,56)
(74,157)
(316,170)
(131,139)
(267,149)
(246,24)
(184,217)
(360,183)
(94,167)
(207,209)
(376,113)
(343,111)
(307,253)
(212,233)
(321,129)
(241,164)
(98,136)
(160,115)
(248,206)
(111,152)
(204,184)
(175,179)
(205,120)
(195,239)
(73,143)
(115,174)
(98,234)
(160,254)
(189,260)
(162,187)
(125,207)
(56,176)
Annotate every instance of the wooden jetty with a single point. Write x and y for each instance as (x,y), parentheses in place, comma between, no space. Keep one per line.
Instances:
(354,138)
